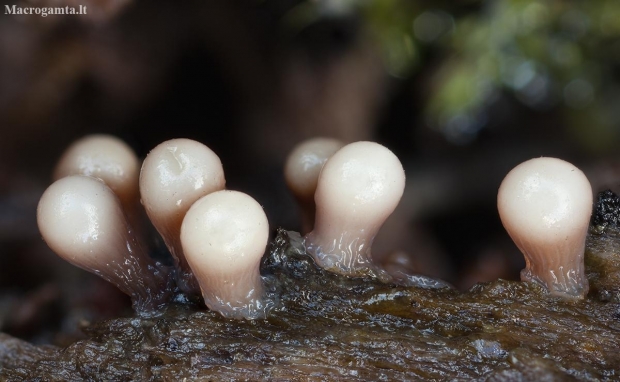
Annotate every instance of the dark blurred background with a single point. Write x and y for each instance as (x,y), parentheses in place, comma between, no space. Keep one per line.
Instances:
(460,91)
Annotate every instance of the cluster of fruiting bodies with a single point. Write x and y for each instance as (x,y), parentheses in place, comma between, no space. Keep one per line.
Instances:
(90,216)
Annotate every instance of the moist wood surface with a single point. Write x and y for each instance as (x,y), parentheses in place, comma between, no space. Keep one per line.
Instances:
(328,327)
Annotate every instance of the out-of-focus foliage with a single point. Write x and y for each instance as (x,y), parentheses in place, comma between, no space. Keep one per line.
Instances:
(556,54)
(547,53)
(392,22)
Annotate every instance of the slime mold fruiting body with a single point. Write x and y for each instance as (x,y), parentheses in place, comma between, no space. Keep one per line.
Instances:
(81,219)
(545,205)
(224,236)
(107,158)
(174,175)
(301,171)
(358,188)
